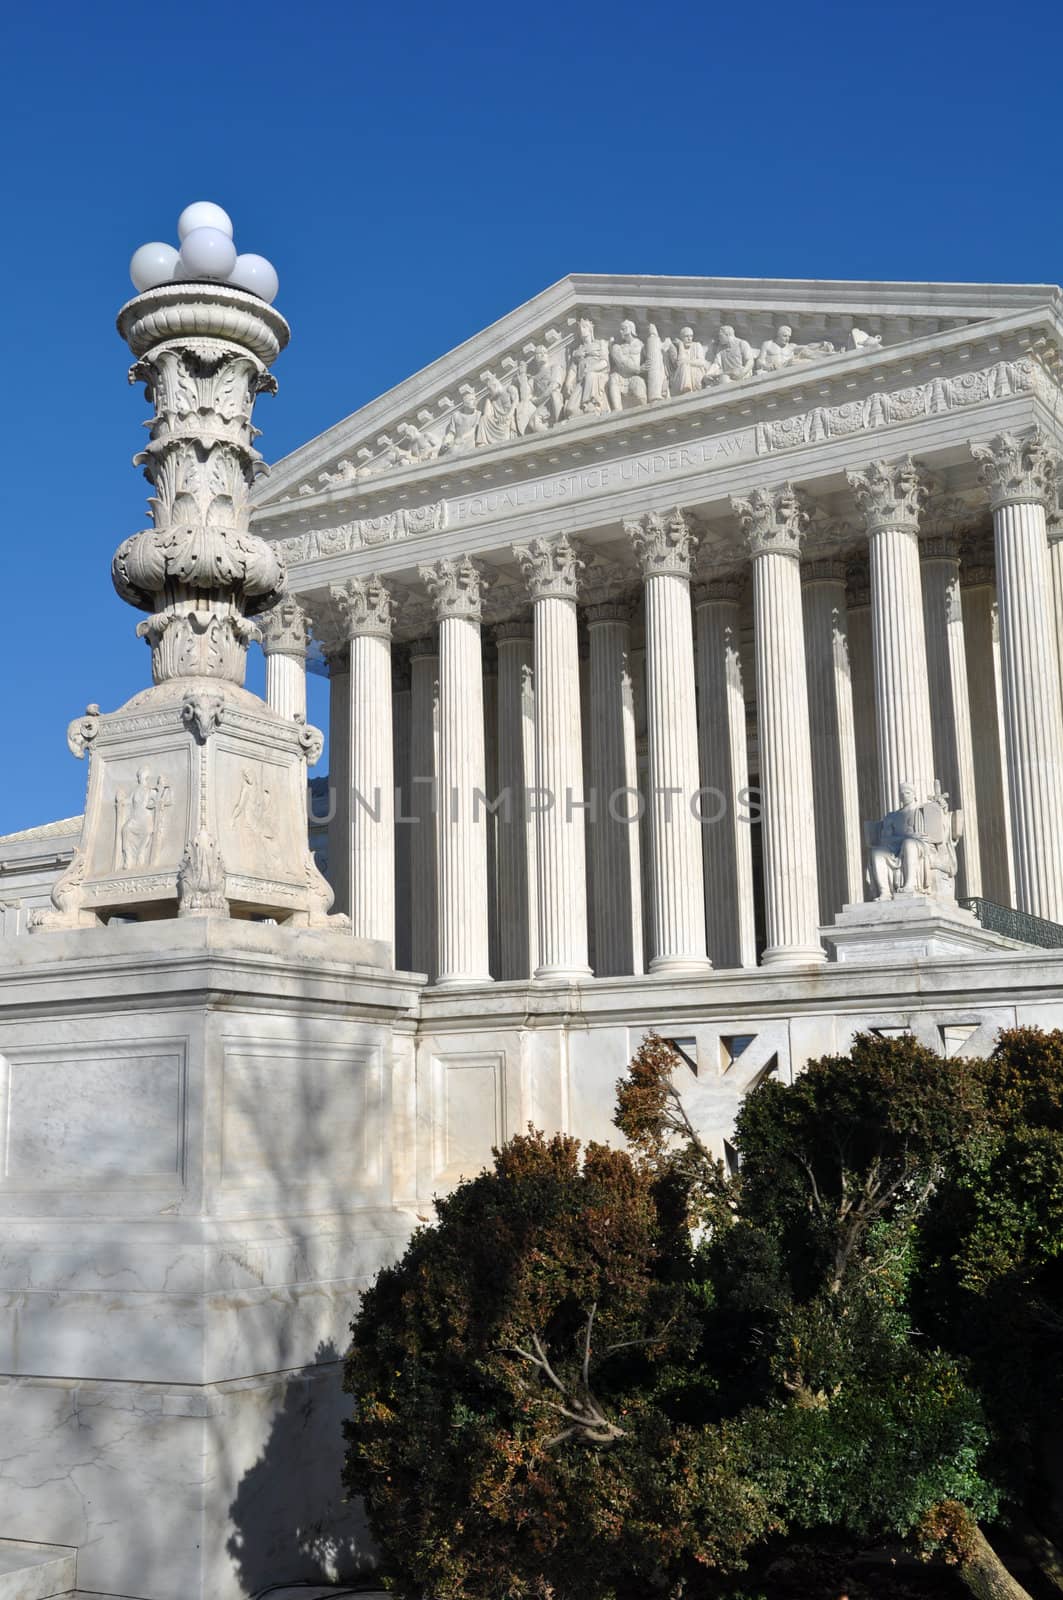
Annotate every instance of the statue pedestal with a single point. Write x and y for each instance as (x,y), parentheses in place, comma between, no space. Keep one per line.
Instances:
(917,927)
(207,1157)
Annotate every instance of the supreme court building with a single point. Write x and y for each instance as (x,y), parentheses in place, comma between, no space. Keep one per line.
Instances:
(693,658)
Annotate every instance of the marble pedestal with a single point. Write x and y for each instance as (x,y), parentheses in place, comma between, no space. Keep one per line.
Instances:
(915,927)
(198,1182)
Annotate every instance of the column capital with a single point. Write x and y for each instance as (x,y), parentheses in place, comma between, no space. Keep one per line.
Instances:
(328,628)
(608,611)
(978,575)
(426,645)
(518,630)
(285,629)
(662,543)
(365,606)
(457,586)
(939,547)
(551,567)
(891,494)
(1018,468)
(774,521)
(710,591)
(823,569)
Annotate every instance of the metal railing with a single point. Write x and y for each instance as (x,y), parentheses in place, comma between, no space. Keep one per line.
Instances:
(1014,924)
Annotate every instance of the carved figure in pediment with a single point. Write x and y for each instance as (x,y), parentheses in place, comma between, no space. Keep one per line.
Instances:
(866,342)
(780,352)
(688,363)
(733,359)
(913,849)
(346,472)
(547,381)
(626,380)
(460,432)
(656,370)
(498,413)
(588,374)
(138,821)
(417,445)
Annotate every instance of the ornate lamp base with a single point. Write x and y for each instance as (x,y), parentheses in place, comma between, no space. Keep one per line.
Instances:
(196,803)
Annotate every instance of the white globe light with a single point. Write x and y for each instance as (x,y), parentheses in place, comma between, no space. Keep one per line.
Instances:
(256,274)
(153,264)
(207,253)
(203,214)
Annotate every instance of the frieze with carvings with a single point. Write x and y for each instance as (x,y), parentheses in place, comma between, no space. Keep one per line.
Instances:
(568,378)
(879,410)
(405,523)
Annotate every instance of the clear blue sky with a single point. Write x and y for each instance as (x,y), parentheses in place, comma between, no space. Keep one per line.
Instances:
(417,170)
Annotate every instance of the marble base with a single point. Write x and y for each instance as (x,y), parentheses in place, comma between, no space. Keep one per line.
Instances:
(199,1183)
(910,928)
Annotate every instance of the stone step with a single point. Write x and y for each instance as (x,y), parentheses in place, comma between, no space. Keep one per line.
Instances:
(36,1571)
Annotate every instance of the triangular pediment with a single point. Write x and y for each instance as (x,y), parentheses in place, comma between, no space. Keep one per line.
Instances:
(590,347)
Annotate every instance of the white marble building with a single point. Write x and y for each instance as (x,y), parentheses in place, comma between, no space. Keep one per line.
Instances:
(636,610)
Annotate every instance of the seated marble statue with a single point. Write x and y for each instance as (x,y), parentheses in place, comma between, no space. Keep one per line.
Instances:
(913,849)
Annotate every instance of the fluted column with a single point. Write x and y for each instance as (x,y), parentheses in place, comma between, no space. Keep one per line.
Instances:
(835,793)
(424,855)
(330,630)
(662,546)
(366,605)
(518,919)
(728,853)
(950,706)
(862,673)
(774,522)
(982,644)
(1055,563)
(1020,473)
(614,836)
(550,568)
(401,715)
(891,496)
(489,669)
(464,948)
(284,644)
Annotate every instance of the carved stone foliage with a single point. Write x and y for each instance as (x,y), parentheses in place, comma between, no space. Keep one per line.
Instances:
(201,879)
(456,586)
(773,521)
(662,544)
(364,605)
(880,409)
(82,731)
(1018,467)
(199,571)
(284,630)
(550,567)
(564,378)
(891,494)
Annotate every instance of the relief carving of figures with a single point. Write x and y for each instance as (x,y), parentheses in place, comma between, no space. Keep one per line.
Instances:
(913,849)
(588,374)
(139,817)
(626,380)
(688,364)
(462,423)
(417,445)
(547,383)
(498,413)
(733,359)
(780,352)
(254,808)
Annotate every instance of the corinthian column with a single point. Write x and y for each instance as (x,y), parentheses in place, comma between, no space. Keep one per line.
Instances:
(835,795)
(891,496)
(662,546)
(982,643)
(774,522)
(366,607)
(518,915)
(550,568)
(424,736)
(1055,562)
(330,630)
(1020,473)
(725,774)
(284,643)
(464,948)
(950,705)
(615,875)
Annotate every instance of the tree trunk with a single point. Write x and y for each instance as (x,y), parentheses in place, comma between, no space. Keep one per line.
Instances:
(984,1573)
